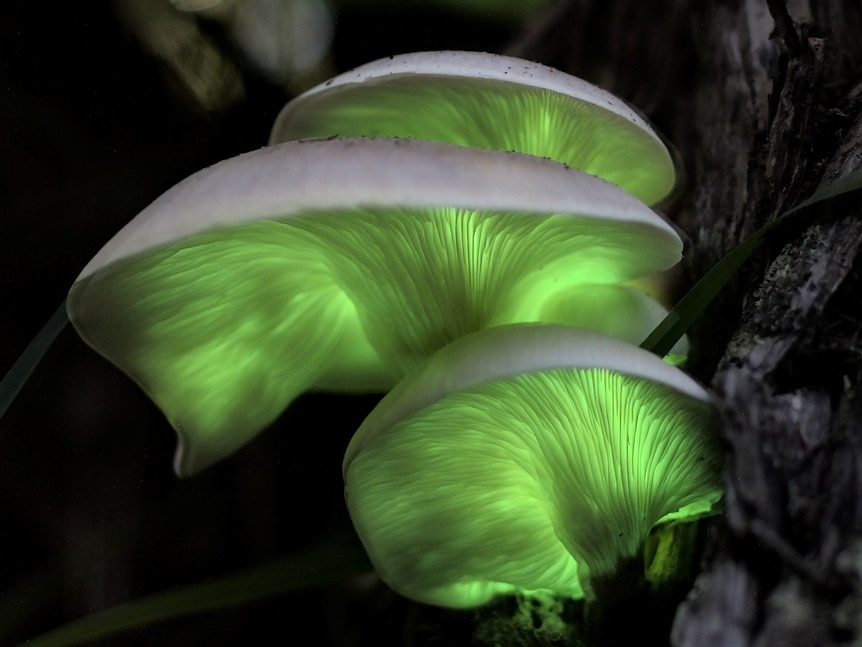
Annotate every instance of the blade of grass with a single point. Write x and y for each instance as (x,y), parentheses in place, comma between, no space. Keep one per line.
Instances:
(23,368)
(692,305)
(319,565)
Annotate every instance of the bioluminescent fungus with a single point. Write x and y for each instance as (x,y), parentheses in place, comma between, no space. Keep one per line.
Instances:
(487,101)
(527,458)
(341,264)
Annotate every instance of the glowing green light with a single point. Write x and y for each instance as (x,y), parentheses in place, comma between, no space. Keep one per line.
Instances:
(487,113)
(539,481)
(259,278)
(226,328)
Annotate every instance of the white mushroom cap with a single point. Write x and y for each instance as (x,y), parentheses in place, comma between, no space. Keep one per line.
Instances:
(317,175)
(341,264)
(488,101)
(505,351)
(528,458)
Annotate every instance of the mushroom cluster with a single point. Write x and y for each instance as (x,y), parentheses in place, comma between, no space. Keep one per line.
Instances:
(450,223)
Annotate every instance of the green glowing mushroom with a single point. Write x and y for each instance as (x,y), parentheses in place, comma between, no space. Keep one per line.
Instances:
(340,264)
(528,458)
(488,101)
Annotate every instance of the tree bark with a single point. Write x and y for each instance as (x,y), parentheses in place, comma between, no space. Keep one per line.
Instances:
(763,102)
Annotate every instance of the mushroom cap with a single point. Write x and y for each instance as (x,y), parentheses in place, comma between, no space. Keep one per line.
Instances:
(340,264)
(527,457)
(487,101)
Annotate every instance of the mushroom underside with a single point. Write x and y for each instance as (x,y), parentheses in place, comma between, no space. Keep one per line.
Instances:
(225,328)
(492,114)
(537,481)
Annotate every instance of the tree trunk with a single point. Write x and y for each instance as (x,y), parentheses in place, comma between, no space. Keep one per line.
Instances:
(764,104)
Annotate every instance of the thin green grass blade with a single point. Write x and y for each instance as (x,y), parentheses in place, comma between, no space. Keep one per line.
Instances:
(319,565)
(693,304)
(842,185)
(22,369)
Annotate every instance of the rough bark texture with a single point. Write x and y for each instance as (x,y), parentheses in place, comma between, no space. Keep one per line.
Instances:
(762,101)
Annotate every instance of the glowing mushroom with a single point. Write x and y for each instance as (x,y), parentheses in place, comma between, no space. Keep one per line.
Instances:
(528,458)
(340,264)
(487,101)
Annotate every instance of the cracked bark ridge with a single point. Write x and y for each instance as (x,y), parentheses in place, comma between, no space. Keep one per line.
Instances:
(762,112)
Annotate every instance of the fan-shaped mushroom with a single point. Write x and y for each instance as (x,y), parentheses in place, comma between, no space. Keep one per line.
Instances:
(487,101)
(528,457)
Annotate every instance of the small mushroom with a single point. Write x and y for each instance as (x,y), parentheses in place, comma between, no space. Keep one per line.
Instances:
(487,101)
(340,264)
(528,457)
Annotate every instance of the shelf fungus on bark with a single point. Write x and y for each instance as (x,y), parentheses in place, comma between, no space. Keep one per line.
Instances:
(528,458)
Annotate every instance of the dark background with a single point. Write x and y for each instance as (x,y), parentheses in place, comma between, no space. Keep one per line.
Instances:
(92,129)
